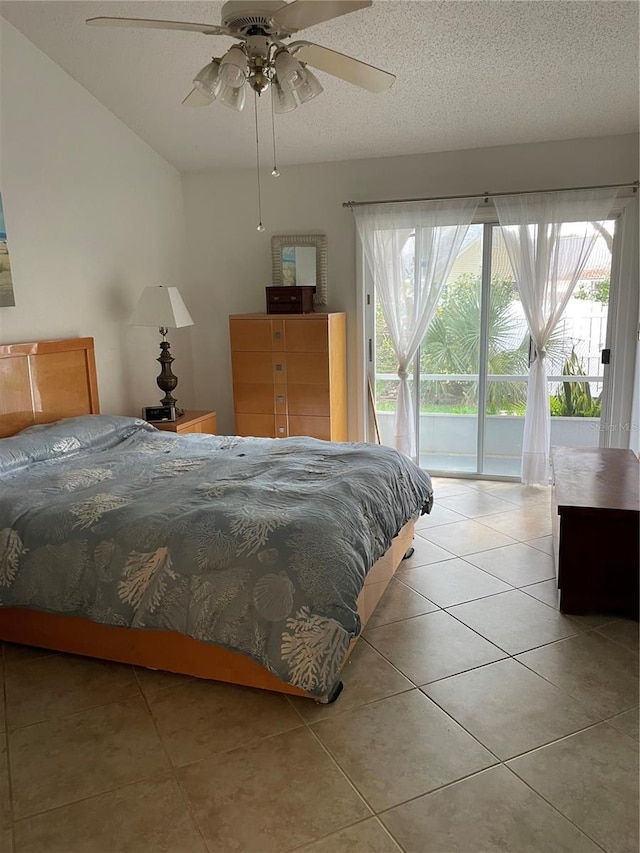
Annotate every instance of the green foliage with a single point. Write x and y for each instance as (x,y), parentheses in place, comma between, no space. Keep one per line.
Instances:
(574,399)
(597,291)
(452,343)
(452,346)
(390,406)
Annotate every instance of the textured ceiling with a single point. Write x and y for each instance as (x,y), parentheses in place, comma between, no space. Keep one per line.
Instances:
(470,75)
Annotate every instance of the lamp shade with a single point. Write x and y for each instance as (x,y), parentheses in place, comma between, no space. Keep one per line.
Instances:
(290,72)
(283,100)
(309,88)
(233,67)
(207,79)
(161,306)
(232,98)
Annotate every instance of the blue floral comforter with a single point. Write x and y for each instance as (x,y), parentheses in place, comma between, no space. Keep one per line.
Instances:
(259,545)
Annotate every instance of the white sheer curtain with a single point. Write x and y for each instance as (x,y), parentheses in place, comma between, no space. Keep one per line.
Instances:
(547,260)
(410,248)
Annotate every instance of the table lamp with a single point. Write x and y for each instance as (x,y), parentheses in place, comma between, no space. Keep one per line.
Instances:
(163,307)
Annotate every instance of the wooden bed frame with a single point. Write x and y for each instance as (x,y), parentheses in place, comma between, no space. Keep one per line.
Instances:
(44,381)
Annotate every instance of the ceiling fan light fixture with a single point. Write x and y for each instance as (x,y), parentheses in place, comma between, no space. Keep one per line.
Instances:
(290,73)
(283,99)
(260,75)
(207,80)
(233,67)
(232,97)
(262,61)
(309,88)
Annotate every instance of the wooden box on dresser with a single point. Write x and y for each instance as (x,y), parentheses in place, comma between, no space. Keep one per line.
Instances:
(289,375)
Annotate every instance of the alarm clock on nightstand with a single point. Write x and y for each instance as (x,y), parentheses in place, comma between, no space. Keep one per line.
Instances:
(158,413)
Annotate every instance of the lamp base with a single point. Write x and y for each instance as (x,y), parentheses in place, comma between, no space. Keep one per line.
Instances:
(169,400)
(167,381)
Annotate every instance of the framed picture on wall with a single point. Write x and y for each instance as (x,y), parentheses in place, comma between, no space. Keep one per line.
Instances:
(7,298)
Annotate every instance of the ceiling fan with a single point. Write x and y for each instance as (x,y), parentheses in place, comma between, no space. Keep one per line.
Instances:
(262,60)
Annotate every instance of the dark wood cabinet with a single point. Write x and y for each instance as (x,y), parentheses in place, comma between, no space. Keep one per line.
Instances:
(596,529)
(290,299)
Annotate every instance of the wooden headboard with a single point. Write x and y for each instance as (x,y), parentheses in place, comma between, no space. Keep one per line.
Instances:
(44,381)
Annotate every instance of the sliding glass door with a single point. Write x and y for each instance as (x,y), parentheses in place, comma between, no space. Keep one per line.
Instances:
(507,366)
(449,361)
(469,377)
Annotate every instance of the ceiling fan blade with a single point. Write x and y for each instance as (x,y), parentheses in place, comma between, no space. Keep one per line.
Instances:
(196,98)
(346,67)
(148,23)
(305,13)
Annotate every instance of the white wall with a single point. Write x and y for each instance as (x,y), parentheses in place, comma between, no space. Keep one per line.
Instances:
(229,261)
(93,215)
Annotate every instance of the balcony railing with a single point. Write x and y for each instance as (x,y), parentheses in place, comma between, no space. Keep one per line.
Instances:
(448,441)
(491,377)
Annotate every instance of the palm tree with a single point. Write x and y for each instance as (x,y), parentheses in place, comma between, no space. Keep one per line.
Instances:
(452,346)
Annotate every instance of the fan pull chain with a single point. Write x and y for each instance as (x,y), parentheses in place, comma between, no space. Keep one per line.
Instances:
(275,172)
(255,104)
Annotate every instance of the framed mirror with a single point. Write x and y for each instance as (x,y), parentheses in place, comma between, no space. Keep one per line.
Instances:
(298,259)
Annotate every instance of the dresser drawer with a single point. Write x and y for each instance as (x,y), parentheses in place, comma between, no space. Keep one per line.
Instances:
(259,425)
(251,398)
(306,368)
(207,427)
(306,334)
(308,400)
(315,427)
(280,399)
(252,335)
(190,422)
(279,368)
(247,369)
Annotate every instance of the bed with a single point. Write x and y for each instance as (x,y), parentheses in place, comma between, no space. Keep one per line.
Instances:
(246,560)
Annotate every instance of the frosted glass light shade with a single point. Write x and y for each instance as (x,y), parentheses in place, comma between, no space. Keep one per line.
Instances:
(232,98)
(283,100)
(290,72)
(162,307)
(207,80)
(233,68)
(309,88)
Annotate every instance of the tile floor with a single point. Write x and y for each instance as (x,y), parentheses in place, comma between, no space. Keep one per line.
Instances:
(475,717)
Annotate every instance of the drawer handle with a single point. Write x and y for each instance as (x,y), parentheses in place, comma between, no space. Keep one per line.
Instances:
(280,429)
(293,298)
(278,335)
(278,367)
(276,298)
(279,399)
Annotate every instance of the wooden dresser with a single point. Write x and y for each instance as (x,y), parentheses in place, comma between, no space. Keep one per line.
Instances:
(596,532)
(289,375)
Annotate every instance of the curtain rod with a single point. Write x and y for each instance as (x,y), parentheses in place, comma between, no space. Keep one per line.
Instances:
(488,195)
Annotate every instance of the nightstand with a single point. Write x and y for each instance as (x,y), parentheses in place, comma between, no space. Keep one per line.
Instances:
(191,421)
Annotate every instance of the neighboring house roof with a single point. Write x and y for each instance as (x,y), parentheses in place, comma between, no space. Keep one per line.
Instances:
(470,260)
